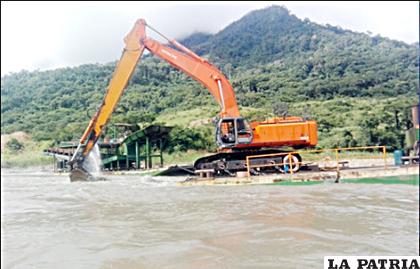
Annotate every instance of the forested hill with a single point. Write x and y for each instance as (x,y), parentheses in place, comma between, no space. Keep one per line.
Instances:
(323,60)
(351,83)
(271,34)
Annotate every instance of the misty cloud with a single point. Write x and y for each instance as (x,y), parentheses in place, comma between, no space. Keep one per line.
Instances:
(49,35)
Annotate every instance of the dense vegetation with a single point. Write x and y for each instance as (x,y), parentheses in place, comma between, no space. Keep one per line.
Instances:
(351,83)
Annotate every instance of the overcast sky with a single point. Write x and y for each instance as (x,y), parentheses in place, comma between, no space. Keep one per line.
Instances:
(45,35)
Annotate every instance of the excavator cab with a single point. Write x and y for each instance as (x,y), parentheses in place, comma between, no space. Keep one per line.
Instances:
(233,131)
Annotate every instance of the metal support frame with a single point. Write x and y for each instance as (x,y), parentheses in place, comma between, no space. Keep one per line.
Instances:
(137,155)
(148,157)
(160,151)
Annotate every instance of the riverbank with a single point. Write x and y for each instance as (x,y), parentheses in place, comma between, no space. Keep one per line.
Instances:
(31,156)
(27,153)
(18,150)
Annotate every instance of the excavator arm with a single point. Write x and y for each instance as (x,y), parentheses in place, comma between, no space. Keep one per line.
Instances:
(181,58)
(132,53)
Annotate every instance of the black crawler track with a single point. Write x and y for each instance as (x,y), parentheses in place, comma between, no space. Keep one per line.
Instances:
(228,163)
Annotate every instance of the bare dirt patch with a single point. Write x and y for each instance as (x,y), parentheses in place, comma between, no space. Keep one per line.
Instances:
(20,136)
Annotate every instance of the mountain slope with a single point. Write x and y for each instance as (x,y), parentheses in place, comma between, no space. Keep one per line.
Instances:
(324,61)
(269,34)
(344,80)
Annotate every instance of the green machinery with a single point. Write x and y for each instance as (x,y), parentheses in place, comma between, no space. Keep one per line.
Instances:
(409,154)
(412,134)
(136,150)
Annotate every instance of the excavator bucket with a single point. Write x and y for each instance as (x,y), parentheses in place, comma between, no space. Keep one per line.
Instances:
(80,174)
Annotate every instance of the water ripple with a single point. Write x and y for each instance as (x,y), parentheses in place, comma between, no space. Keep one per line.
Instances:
(149,222)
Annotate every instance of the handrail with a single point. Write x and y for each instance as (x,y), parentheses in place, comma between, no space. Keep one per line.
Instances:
(337,152)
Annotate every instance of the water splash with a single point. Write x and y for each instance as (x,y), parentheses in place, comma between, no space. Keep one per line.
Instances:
(93,163)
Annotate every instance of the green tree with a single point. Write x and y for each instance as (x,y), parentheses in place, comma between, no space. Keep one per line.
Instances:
(14,145)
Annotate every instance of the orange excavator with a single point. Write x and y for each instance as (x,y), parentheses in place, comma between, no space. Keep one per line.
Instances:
(235,137)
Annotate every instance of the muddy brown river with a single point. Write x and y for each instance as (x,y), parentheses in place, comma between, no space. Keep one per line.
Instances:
(148,222)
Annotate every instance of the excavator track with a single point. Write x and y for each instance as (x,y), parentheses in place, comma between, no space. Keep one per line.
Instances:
(228,163)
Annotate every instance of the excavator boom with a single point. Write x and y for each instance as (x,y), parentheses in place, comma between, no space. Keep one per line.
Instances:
(202,71)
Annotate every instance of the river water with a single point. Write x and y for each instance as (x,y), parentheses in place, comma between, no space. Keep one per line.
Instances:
(148,222)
